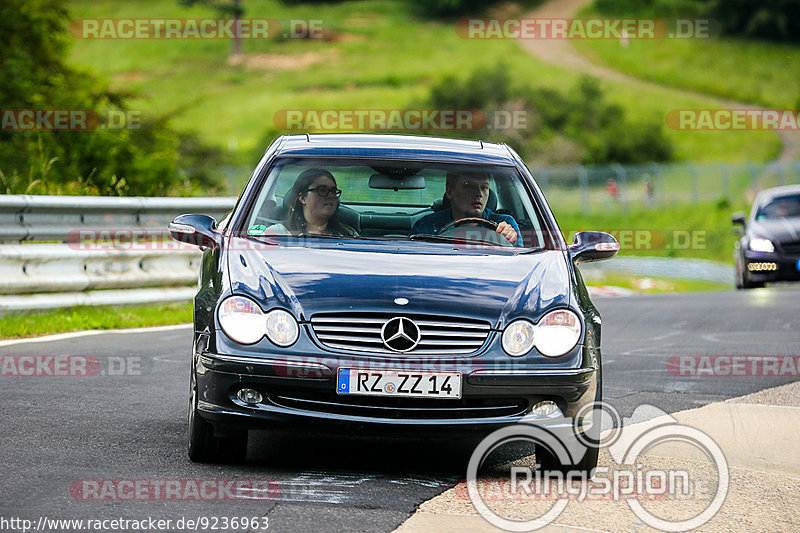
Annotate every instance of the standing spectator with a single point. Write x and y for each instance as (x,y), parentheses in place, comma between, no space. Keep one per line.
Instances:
(613,190)
(649,190)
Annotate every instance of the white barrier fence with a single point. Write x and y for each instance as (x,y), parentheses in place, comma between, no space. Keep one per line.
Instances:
(58,268)
(45,276)
(52,218)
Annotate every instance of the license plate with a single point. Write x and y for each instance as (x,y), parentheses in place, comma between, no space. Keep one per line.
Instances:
(399,383)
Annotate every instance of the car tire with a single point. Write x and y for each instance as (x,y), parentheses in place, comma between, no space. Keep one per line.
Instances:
(586,466)
(739,280)
(548,462)
(210,444)
(743,283)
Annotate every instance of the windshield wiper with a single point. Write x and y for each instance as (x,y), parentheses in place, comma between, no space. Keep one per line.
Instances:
(452,240)
(429,237)
(306,235)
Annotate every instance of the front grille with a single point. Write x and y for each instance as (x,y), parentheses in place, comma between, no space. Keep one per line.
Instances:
(791,248)
(361,332)
(399,408)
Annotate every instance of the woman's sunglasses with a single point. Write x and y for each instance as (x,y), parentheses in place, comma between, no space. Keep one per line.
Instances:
(324,191)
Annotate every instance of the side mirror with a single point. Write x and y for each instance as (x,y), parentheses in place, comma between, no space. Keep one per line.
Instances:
(738,218)
(199,230)
(593,246)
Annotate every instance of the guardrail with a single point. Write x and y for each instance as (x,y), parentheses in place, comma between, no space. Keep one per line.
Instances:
(45,276)
(51,218)
(58,267)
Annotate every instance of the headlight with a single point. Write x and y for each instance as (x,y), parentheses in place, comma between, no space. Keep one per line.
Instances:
(242,320)
(557,333)
(281,327)
(761,245)
(518,338)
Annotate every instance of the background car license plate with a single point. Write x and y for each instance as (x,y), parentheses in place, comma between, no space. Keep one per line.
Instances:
(399,383)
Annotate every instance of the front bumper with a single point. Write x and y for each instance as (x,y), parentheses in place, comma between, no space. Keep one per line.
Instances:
(769,267)
(303,393)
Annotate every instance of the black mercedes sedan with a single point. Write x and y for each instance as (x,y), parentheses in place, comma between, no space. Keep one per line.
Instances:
(769,247)
(386,283)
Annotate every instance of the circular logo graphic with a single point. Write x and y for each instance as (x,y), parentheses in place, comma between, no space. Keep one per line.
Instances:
(400,334)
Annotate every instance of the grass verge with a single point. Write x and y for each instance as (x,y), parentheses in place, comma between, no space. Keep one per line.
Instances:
(750,71)
(648,285)
(29,324)
(702,231)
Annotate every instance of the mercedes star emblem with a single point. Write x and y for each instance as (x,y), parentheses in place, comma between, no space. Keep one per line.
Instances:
(400,334)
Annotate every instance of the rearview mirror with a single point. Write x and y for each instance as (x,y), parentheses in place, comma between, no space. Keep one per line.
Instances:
(199,230)
(738,218)
(590,246)
(384,181)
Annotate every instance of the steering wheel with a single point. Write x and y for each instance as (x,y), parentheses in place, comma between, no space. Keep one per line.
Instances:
(488,224)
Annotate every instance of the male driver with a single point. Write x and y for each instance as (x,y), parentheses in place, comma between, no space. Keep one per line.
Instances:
(468,193)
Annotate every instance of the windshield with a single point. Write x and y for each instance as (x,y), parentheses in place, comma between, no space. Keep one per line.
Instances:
(395,200)
(780,207)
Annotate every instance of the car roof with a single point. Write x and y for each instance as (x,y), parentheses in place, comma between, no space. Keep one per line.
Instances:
(394,147)
(769,194)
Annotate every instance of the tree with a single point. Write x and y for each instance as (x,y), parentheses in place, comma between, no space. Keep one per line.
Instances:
(150,159)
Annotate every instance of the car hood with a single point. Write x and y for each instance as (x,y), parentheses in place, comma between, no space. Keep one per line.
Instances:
(778,229)
(436,279)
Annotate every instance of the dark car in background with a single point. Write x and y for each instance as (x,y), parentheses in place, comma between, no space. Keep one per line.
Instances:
(385,327)
(769,247)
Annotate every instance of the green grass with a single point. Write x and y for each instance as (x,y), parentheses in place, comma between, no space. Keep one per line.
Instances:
(384,58)
(648,285)
(749,71)
(702,231)
(29,324)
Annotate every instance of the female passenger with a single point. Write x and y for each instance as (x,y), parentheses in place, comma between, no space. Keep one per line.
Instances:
(313,201)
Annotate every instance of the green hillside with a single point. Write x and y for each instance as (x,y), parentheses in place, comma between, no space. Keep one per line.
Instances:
(377,54)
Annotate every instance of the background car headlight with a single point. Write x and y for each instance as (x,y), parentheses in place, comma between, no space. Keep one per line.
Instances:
(281,327)
(557,333)
(242,320)
(761,245)
(518,338)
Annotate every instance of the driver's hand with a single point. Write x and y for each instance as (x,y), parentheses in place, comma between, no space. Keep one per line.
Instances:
(506,230)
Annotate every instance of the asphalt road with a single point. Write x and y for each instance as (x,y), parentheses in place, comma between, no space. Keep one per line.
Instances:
(129,422)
